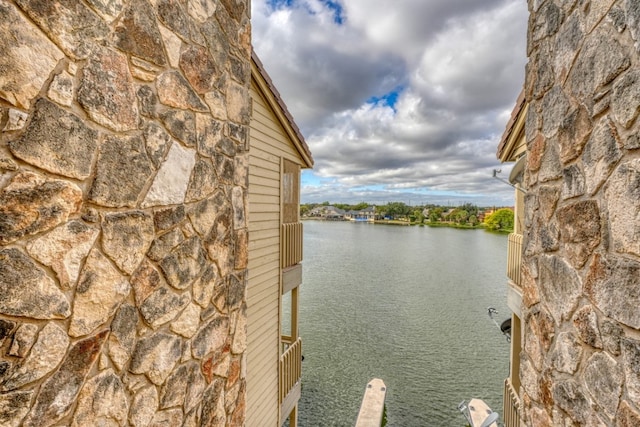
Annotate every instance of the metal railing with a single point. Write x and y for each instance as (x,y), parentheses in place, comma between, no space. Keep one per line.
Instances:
(290,368)
(511,406)
(291,244)
(514,258)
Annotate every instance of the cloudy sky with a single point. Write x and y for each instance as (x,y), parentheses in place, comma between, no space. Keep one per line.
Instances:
(398,100)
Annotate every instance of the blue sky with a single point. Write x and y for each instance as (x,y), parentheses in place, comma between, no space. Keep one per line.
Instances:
(388,99)
(398,101)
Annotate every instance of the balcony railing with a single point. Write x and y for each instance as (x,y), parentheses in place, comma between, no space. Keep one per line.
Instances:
(290,374)
(291,244)
(514,257)
(511,406)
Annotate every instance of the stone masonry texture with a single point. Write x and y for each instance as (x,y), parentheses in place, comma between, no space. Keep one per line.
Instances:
(581,359)
(122,213)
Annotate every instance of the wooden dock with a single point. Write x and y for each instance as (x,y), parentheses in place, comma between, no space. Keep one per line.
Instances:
(372,407)
(479,412)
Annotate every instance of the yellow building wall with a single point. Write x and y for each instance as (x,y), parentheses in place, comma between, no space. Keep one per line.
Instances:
(268,145)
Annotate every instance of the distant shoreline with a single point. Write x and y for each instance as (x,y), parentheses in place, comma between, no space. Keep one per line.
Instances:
(405,223)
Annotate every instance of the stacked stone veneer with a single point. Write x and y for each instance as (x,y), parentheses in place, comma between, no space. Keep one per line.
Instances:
(123,195)
(581,303)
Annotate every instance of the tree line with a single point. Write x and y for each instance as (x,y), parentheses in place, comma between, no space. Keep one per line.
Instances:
(466,215)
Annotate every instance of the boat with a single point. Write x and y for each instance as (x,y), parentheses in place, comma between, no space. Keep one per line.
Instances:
(478,413)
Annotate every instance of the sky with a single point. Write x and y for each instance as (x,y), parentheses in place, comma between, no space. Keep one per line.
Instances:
(398,101)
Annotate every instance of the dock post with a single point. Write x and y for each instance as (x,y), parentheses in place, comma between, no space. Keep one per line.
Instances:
(372,407)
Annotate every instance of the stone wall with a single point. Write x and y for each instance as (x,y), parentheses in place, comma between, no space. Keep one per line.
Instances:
(123,236)
(581,303)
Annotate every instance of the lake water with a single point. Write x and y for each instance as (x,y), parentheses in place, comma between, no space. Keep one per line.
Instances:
(405,304)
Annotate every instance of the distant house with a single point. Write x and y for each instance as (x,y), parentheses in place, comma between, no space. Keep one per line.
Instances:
(482,215)
(313,212)
(447,214)
(367,214)
(277,153)
(328,213)
(334,216)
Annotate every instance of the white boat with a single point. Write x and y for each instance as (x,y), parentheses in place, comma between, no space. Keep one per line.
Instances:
(478,413)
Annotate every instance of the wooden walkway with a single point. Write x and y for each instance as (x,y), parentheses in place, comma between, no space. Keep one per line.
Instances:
(372,407)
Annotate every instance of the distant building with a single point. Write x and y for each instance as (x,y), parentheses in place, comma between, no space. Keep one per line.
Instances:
(327,212)
(483,214)
(367,214)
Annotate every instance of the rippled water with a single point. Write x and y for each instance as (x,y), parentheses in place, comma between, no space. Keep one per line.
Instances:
(405,304)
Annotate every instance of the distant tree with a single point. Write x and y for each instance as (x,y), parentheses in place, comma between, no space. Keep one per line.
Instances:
(360,206)
(472,209)
(418,216)
(502,220)
(304,209)
(397,209)
(460,216)
(325,204)
(435,214)
(473,220)
(448,215)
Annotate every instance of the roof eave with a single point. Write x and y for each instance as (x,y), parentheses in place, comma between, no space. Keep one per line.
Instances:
(514,130)
(271,94)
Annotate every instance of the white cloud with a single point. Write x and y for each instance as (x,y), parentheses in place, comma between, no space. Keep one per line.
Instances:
(474,61)
(459,64)
(407,25)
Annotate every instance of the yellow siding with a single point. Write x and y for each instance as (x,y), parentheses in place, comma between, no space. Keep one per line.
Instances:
(268,145)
